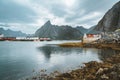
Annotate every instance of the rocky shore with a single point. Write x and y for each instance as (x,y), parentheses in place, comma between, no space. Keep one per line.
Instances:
(108,69)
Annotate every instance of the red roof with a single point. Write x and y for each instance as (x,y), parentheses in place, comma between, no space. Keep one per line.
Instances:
(90,35)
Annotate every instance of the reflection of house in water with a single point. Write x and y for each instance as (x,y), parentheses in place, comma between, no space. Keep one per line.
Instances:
(87,38)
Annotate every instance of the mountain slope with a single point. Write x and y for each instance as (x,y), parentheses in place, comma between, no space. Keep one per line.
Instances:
(111,20)
(82,29)
(92,31)
(58,32)
(47,30)
(10,33)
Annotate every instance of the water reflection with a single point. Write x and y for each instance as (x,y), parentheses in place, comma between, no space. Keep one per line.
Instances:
(48,50)
(105,53)
(18,59)
(62,59)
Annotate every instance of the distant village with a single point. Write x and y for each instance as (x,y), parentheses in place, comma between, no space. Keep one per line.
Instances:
(106,37)
(2,38)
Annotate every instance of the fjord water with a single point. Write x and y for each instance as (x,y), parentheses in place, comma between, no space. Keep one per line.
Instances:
(20,59)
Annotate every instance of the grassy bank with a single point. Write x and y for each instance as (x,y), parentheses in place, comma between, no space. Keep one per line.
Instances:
(75,44)
(114,46)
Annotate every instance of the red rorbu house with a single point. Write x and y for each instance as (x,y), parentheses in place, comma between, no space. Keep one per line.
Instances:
(90,35)
(8,38)
(87,38)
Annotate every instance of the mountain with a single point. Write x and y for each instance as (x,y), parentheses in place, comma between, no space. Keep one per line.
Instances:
(91,28)
(58,32)
(88,31)
(82,29)
(10,33)
(92,31)
(111,20)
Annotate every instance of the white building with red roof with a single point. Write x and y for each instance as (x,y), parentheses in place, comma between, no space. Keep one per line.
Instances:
(87,38)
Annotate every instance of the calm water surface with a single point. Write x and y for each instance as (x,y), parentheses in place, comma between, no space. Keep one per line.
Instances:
(19,59)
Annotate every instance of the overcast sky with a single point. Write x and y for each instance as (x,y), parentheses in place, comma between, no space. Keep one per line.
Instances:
(29,15)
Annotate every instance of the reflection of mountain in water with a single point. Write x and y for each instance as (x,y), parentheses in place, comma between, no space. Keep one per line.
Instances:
(48,50)
(105,53)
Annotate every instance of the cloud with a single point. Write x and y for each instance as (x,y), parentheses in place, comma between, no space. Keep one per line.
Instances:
(89,19)
(26,28)
(11,12)
(4,25)
(29,15)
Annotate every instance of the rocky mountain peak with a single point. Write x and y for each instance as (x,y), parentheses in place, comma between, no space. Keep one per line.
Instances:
(111,20)
(48,23)
(56,32)
(117,5)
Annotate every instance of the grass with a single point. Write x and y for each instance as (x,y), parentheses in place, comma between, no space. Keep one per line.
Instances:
(77,44)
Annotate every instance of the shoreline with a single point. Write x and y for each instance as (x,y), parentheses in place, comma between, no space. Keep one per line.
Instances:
(114,46)
(108,69)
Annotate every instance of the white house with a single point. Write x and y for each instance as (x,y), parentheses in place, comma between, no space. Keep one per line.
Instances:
(27,38)
(1,35)
(87,38)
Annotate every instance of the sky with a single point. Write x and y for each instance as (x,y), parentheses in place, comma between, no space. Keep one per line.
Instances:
(29,15)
